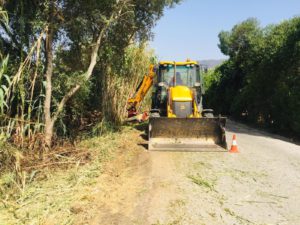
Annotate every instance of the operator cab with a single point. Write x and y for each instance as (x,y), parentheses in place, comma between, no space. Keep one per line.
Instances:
(179,74)
(176,78)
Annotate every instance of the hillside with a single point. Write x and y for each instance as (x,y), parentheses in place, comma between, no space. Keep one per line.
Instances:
(211,63)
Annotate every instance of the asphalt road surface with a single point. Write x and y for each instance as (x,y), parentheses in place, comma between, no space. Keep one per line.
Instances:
(259,185)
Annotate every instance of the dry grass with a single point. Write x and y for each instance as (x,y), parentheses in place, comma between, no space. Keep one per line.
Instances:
(48,195)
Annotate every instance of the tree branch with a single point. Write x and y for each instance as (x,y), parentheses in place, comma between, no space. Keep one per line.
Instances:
(114,16)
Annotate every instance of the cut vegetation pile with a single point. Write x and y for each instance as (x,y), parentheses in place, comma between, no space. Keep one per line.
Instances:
(49,189)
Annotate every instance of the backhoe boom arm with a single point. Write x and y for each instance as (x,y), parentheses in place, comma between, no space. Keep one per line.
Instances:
(141,92)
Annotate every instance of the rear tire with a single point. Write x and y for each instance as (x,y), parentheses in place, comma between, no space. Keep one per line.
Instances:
(208,113)
(156,115)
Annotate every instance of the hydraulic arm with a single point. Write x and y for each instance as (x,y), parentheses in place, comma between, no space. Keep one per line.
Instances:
(140,93)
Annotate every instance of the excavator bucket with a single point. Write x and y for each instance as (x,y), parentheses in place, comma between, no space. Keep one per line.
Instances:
(187,134)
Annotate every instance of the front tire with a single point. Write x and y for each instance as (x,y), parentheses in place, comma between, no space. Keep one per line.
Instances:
(208,113)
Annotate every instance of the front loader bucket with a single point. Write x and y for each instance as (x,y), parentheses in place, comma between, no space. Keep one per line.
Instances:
(187,134)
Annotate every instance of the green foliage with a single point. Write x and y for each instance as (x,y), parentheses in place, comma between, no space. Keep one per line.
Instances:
(76,26)
(201,182)
(100,104)
(260,82)
(121,79)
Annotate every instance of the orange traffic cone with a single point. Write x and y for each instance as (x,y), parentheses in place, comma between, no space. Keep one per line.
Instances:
(234,148)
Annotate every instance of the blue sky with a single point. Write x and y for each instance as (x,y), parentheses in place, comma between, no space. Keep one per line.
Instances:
(190,30)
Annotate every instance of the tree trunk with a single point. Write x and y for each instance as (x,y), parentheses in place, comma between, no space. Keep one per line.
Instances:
(48,134)
(50,120)
(89,71)
(47,104)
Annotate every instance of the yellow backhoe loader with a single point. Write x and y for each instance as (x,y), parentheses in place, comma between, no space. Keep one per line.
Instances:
(177,120)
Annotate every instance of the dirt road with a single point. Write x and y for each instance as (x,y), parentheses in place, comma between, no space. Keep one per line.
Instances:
(260,185)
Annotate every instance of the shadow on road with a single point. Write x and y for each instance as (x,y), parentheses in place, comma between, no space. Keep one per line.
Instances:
(236,127)
(145,146)
(141,126)
(144,136)
(231,126)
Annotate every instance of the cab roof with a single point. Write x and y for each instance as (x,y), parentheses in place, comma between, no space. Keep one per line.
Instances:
(188,62)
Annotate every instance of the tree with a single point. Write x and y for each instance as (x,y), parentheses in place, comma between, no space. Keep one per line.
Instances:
(78,35)
(117,12)
(260,81)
